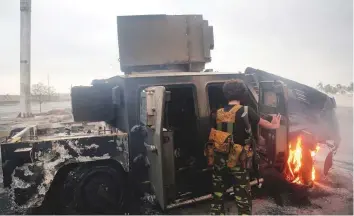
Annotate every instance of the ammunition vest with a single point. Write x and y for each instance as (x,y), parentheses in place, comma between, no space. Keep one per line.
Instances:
(221,139)
(225,121)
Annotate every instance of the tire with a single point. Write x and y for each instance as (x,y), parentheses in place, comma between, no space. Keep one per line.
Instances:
(94,189)
(274,185)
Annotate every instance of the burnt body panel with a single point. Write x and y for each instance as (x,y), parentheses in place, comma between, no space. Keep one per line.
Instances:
(30,167)
(308,108)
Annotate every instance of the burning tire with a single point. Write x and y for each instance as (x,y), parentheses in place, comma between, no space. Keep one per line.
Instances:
(281,189)
(94,190)
(299,169)
(300,163)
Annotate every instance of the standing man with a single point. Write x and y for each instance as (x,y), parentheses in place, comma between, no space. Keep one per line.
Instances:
(229,120)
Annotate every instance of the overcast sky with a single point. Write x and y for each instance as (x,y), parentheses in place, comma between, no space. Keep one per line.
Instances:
(75,41)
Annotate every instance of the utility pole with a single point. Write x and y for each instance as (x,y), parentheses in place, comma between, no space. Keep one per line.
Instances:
(49,92)
(25,59)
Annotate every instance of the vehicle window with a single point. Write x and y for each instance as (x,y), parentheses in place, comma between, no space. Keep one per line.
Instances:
(216,96)
(270,99)
(182,105)
(217,99)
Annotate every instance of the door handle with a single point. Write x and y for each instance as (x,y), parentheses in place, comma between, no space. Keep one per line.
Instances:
(150,148)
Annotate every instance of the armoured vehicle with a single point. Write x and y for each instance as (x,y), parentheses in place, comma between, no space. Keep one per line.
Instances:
(154,125)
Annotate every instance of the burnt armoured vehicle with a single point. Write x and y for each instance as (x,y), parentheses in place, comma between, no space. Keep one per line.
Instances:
(155,125)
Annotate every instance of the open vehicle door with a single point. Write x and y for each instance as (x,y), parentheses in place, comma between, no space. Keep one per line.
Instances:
(273,100)
(159,144)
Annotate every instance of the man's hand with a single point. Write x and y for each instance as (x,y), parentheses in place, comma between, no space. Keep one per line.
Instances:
(274,124)
(276,119)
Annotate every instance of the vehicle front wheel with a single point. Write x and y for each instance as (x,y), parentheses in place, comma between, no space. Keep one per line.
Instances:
(94,190)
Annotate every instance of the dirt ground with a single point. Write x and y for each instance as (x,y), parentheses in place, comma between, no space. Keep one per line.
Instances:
(329,196)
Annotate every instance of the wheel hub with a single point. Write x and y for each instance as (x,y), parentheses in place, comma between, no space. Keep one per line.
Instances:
(101,193)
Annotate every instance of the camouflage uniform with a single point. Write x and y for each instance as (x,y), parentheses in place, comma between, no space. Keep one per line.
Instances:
(224,168)
(240,183)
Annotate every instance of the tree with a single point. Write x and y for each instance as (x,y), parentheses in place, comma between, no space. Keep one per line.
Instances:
(320,86)
(333,89)
(350,87)
(50,93)
(339,88)
(42,93)
(330,89)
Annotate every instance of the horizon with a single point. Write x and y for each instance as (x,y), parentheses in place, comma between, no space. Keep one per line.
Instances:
(75,42)
(316,87)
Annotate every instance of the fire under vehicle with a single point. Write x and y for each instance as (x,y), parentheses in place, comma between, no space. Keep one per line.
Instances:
(145,130)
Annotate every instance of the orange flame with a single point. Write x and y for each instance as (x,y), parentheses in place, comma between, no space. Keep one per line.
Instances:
(313,174)
(295,162)
(313,154)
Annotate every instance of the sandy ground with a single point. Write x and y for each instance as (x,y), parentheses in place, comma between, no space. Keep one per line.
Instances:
(331,195)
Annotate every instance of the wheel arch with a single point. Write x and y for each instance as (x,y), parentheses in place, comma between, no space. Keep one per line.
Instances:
(49,201)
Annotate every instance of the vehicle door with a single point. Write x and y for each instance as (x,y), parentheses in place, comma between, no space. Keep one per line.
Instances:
(159,144)
(273,100)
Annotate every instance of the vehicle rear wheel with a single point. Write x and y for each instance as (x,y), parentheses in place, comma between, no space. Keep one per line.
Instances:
(94,190)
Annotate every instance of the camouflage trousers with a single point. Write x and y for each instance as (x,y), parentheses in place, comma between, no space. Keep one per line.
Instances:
(241,186)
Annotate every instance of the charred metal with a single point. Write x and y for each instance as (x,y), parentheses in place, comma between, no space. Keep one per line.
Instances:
(30,167)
